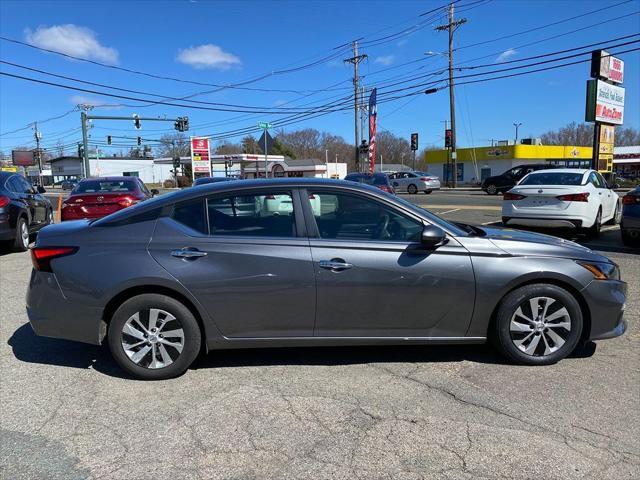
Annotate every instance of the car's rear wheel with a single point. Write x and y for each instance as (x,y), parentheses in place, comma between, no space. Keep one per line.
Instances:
(617,215)
(538,324)
(428,191)
(630,239)
(412,189)
(492,189)
(21,241)
(594,230)
(154,337)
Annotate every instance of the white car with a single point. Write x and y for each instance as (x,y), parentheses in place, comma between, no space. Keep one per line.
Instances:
(563,197)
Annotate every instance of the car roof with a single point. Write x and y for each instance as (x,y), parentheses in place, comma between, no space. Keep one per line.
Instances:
(108,179)
(581,171)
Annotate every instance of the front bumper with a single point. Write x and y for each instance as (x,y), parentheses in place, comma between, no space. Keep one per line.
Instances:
(52,315)
(606,300)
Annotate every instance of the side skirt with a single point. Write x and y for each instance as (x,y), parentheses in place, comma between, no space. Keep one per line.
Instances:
(274,342)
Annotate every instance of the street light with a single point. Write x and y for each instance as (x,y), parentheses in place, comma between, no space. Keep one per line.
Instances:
(517,125)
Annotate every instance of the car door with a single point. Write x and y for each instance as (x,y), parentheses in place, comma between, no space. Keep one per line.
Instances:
(609,196)
(246,258)
(373,277)
(24,191)
(603,194)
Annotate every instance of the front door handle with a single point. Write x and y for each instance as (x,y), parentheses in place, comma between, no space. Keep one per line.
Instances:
(335,265)
(188,253)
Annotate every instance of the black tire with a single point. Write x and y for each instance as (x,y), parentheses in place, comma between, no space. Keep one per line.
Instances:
(412,189)
(504,339)
(21,244)
(428,191)
(188,323)
(50,219)
(594,230)
(491,189)
(628,240)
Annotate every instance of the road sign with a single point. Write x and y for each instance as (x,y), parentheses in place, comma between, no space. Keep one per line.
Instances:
(264,125)
(200,157)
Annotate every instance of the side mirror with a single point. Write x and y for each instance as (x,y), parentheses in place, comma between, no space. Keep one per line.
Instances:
(40,189)
(432,236)
(155,191)
(615,185)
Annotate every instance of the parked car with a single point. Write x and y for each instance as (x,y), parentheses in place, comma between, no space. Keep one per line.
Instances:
(69,184)
(570,198)
(23,210)
(412,182)
(630,222)
(505,181)
(174,275)
(207,180)
(96,197)
(380,180)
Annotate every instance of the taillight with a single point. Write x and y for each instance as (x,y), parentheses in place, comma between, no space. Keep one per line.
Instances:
(427,179)
(312,196)
(127,201)
(385,188)
(513,196)
(626,200)
(41,256)
(4,201)
(574,197)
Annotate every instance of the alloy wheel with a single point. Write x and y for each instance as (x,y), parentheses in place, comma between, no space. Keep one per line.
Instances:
(540,326)
(24,234)
(492,190)
(152,338)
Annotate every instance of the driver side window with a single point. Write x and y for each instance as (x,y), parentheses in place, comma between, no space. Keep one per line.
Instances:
(343,216)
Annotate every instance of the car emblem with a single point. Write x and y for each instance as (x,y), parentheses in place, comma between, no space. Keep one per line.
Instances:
(100,199)
(540,191)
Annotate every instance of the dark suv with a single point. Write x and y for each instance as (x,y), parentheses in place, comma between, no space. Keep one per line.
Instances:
(502,183)
(23,210)
(380,180)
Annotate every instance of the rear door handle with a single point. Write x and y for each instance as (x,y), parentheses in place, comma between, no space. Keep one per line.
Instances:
(188,253)
(335,265)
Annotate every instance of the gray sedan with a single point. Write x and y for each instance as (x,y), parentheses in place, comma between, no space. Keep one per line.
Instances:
(414,182)
(348,264)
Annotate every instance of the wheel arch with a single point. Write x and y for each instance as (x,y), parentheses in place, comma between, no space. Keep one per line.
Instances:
(121,297)
(584,307)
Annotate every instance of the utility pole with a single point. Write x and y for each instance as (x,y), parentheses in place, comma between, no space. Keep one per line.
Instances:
(38,135)
(517,125)
(85,138)
(451,28)
(355,60)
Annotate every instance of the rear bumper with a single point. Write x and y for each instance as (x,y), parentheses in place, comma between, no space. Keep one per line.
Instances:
(546,222)
(606,300)
(52,315)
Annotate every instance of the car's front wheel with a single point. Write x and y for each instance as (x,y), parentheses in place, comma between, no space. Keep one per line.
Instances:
(154,337)
(412,189)
(491,189)
(538,324)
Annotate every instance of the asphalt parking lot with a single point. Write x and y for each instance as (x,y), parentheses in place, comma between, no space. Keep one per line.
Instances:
(372,413)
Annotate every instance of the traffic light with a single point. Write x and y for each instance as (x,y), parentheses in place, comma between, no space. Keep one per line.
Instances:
(182,124)
(447,138)
(139,141)
(108,139)
(176,163)
(414,141)
(136,121)
(80,151)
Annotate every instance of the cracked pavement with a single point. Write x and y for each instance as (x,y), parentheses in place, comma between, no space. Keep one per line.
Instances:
(341,413)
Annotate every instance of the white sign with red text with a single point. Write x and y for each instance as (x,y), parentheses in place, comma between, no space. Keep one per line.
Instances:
(609,103)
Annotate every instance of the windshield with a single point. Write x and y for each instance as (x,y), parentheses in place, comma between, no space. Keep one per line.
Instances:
(553,178)
(105,186)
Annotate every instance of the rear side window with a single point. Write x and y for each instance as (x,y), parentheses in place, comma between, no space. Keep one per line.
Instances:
(191,214)
(264,215)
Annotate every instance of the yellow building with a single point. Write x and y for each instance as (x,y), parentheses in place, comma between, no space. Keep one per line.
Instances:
(476,164)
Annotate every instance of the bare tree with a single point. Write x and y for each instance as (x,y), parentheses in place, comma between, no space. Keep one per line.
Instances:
(249,145)
(392,148)
(173,144)
(60,148)
(582,135)
(228,148)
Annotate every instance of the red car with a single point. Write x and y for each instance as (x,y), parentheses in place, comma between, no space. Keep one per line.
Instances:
(98,197)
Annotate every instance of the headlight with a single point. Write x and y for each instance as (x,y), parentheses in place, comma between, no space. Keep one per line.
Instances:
(602,270)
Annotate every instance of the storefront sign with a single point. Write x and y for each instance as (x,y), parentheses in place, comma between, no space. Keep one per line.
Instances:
(23,158)
(200,157)
(605,162)
(606,66)
(607,133)
(605,103)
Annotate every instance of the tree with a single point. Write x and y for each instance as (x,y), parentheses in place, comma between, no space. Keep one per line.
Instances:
(59,148)
(249,145)
(582,135)
(228,148)
(173,144)
(392,148)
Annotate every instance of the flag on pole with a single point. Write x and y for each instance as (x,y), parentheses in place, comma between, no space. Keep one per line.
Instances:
(373,114)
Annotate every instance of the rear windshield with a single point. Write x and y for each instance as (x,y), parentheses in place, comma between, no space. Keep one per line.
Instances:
(552,178)
(369,179)
(103,186)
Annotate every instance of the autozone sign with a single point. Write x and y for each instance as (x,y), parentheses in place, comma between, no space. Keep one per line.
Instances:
(605,102)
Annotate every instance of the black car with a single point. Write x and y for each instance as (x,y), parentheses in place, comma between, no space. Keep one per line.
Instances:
(380,180)
(502,183)
(23,210)
(69,184)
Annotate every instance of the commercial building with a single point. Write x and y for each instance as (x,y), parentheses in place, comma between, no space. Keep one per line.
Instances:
(626,161)
(145,168)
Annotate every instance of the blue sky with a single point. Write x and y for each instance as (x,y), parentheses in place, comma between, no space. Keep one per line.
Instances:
(229,42)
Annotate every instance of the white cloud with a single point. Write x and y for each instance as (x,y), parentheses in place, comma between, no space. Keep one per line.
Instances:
(208,56)
(385,60)
(510,52)
(402,42)
(94,102)
(72,40)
